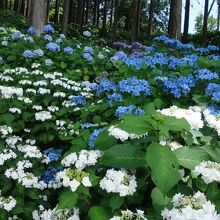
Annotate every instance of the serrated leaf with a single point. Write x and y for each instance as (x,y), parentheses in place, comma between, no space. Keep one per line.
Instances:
(68,200)
(97,213)
(190,157)
(164,166)
(124,156)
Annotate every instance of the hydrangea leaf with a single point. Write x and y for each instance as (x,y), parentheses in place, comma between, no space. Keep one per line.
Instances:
(164,166)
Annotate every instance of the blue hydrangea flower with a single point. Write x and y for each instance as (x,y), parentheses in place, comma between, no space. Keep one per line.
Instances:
(53,154)
(101,56)
(88,57)
(39,52)
(115,97)
(105,85)
(4,43)
(28,54)
(88,125)
(48,29)
(135,86)
(62,36)
(59,41)
(212,48)
(212,88)
(1,59)
(32,31)
(94,135)
(48,62)
(50,174)
(79,100)
(205,74)
(68,50)
(88,50)
(53,47)
(214,110)
(29,39)
(128,110)
(48,37)
(16,35)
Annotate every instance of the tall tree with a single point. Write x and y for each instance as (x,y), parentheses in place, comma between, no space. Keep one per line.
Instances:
(87,12)
(71,12)
(98,13)
(105,11)
(22,8)
(205,22)
(135,20)
(175,19)
(186,21)
(116,17)
(111,13)
(16,3)
(57,11)
(48,11)
(150,20)
(39,13)
(80,9)
(66,5)
(94,12)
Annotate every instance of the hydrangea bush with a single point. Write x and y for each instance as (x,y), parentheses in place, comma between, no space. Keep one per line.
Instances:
(140,140)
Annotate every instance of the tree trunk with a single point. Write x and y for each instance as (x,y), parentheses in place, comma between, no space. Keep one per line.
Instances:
(48,12)
(1,4)
(15,5)
(111,13)
(66,5)
(71,12)
(10,4)
(39,13)
(135,20)
(94,12)
(205,22)
(6,4)
(87,12)
(22,9)
(98,13)
(80,14)
(175,19)
(105,15)
(186,22)
(150,20)
(30,11)
(57,11)
(116,17)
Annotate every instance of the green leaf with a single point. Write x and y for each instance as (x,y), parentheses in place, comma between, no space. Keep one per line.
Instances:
(63,65)
(116,201)
(124,156)
(164,166)
(213,152)
(190,157)
(97,213)
(159,201)
(68,200)
(135,124)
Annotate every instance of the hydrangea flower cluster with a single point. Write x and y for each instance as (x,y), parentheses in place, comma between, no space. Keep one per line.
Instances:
(115,97)
(32,31)
(119,181)
(213,90)
(134,86)
(128,110)
(7,203)
(56,213)
(129,215)
(211,115)
(48,29)
(83,159)
(210,171)
(53,47)
(192,115)
(177,86)
(73,178)
(195,207)
(205,74)
(94,135)
(121,134)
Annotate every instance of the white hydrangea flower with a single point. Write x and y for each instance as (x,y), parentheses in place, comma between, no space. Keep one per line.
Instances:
(129,215)
(7,203)
(212,120)
(73,178)
(194,207)
(122,135)
(119,182)
(43,116)
(87,33)
(210,171)
(9,92)
(65,214)
(192,115)
(15,110)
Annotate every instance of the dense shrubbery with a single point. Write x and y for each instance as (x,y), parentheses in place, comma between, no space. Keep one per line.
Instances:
(143,134)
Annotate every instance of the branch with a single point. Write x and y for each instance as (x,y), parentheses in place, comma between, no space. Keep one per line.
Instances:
(211,7)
